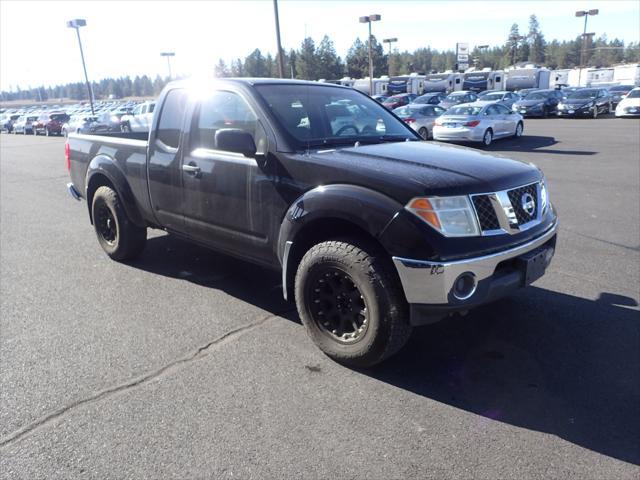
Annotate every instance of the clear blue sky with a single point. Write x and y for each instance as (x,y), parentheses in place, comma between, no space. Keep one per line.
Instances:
(125,38)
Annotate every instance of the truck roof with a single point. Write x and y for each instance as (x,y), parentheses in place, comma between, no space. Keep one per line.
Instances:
(258,81)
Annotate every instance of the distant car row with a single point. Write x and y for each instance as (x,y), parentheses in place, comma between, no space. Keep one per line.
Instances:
(62,123)
(584,102)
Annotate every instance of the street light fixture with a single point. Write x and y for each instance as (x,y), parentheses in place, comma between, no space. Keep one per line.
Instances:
(585,35)
(168,55)
(77,23)
(368,19)
(389,41)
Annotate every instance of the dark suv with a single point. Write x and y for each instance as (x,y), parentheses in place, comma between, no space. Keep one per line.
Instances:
(50,123)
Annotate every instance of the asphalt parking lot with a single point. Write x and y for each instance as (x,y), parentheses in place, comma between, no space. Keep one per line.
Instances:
(188,364)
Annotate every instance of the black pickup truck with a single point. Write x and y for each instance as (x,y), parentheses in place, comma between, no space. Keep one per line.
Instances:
(374,230)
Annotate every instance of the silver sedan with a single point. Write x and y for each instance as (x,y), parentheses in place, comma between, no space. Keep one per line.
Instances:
(420,117)
(478,122)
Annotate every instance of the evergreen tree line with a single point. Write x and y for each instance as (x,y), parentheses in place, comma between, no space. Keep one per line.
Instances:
(315,61)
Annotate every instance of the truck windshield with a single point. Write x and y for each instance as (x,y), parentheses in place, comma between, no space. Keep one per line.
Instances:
(322,115)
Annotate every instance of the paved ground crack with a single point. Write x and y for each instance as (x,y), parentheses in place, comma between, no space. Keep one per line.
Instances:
(200,352)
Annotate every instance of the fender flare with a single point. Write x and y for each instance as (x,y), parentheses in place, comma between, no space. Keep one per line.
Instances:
(103,165)
(366,209)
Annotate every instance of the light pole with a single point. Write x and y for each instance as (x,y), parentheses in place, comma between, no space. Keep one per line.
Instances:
(481,49)
(389,41)
(280,59)
(368,19)
(77,23)
(585,35)
(168,55)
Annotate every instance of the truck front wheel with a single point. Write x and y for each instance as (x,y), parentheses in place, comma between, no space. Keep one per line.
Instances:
(350,301)
(120,238)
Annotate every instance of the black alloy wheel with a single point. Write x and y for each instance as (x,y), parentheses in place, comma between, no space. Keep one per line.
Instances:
(337,306)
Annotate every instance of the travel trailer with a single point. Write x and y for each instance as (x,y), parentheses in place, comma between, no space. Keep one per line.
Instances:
(379,85)
(443,82)
(413,83)
(559,78)
(599,77)
(485,79)
(627,74)
(533,77)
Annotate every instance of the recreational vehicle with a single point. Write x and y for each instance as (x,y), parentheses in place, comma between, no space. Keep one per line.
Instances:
(486,79)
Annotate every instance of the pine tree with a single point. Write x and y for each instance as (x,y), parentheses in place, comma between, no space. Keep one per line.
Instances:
(537,43)
(307,60)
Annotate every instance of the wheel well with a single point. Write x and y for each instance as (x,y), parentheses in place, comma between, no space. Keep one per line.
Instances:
(98,180)
(319,231)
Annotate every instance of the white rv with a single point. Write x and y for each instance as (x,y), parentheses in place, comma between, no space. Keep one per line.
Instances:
(527,77)
(379,85)
(599,77)
(627,74)
(559,78)
(443,82)
(481,80)
(413,83)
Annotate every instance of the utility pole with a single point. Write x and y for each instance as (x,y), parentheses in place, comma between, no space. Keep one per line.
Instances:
(280,56)
(368,19)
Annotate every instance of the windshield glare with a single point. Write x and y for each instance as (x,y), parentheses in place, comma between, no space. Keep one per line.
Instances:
(320,115)
(583,94)
(455,97)
(464,111)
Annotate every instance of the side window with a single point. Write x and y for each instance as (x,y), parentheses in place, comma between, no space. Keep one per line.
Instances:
(221,110)
(497,79)
(171,118)
(457,79)
(502,110)
(491,110)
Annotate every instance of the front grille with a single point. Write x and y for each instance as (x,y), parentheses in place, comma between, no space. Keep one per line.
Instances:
(515,196)
(486,214)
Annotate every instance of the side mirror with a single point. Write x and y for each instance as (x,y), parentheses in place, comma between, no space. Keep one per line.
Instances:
(235,140)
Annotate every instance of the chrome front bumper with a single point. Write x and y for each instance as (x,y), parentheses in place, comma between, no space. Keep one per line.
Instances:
(433,282)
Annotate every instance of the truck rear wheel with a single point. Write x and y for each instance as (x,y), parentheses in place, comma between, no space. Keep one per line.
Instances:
(350,301)
(120,238)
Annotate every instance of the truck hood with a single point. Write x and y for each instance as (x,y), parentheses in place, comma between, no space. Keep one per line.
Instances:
(404,170)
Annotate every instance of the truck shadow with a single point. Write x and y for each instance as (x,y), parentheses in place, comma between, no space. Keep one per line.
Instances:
(539,360)
(534,144)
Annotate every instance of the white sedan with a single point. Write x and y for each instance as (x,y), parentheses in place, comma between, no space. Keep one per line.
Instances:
(478,122)
(629,106)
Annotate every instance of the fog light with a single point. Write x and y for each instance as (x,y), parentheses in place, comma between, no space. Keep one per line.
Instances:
(464,286)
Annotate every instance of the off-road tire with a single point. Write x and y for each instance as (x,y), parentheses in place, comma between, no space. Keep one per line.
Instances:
(129,239)
(387,328)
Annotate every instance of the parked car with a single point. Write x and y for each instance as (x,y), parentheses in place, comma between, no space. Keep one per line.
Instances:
(431,98)
(523,92)
(395,101)
(420,117)
(24,124)
(8,121)
(586,102)
(380,98)
(372,233)
(80,124)
(629,106)
(540,103)
(457,98)
(478,122)
(50,123)
(619,91)
(502,97)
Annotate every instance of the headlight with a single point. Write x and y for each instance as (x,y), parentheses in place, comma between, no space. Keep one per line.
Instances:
(544,196)
(451,216)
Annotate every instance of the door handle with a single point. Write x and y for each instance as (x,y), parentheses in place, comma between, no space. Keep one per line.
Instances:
(193,169)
